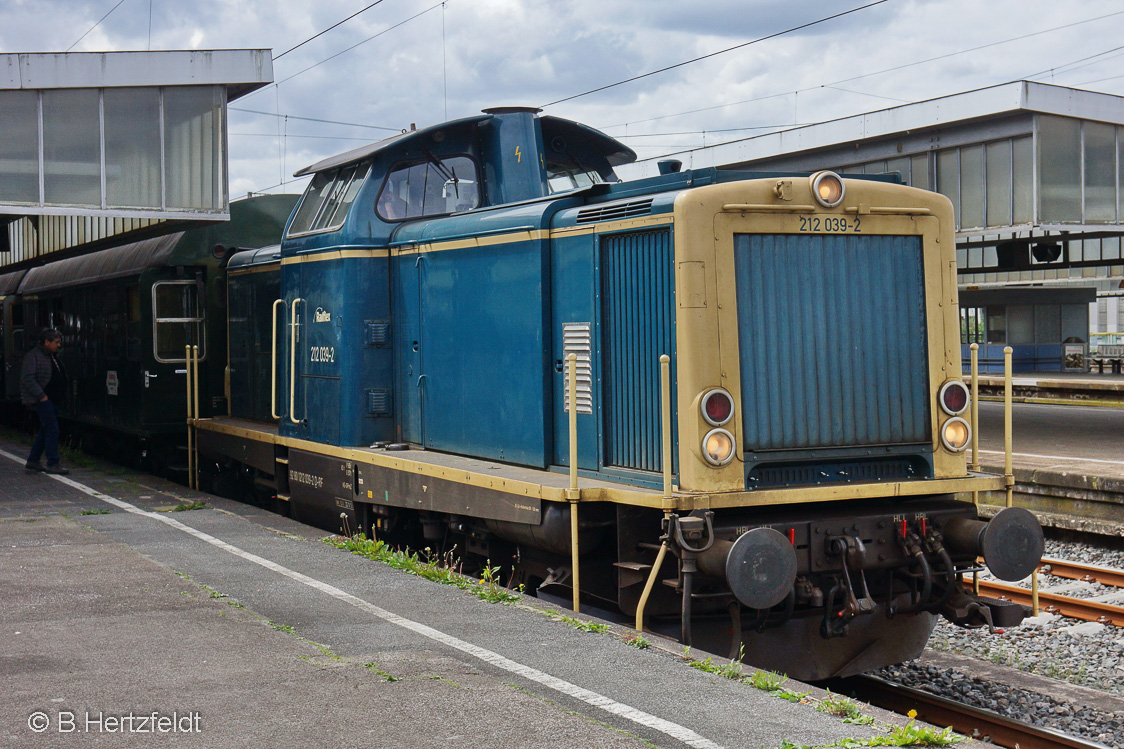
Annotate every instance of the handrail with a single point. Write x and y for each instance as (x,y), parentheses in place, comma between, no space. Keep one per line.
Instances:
(273,364)
(194,374)
(190,421)
(573,494)
(293,361)
(665,403)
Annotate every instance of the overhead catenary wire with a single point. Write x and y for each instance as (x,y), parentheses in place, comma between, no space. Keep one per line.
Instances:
(895,68)
(719,52)
(115,7)
(359,44)
(325,31)
(315,119)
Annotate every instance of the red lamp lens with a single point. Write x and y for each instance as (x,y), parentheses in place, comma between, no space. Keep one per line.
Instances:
(955,398)
(718,407)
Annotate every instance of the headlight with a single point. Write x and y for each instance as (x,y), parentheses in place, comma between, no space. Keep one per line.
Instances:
(717,407)
(718,447)
(953,397)
(955,434)
(828,189)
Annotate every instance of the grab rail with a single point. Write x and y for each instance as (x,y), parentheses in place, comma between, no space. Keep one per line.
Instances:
(273,364)
(293,362)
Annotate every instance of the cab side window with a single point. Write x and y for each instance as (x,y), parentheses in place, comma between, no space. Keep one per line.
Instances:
(428,188)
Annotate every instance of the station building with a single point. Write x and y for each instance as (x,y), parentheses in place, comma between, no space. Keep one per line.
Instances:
(101,148)
(1035,173)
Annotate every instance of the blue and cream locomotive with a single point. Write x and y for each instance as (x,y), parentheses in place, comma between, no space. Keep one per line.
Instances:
(399,366)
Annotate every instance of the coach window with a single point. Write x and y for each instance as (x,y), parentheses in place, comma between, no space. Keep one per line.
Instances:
(428,188)
(177,320)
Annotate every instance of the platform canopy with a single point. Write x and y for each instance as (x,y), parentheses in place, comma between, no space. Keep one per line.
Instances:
(121,134)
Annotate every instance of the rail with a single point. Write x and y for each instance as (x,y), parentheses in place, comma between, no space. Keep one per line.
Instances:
(1084,572)
(966,720)
(1086,609)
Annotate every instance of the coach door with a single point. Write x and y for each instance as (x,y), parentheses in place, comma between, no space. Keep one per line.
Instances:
(177,323)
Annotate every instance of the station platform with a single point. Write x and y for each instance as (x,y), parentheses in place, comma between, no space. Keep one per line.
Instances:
(231,626)
(1086,388)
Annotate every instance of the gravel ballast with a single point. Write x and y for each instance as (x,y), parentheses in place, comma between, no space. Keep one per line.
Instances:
(1087,654)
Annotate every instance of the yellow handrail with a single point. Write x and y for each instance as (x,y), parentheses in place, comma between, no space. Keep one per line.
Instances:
(665,400)
(190,420)
(195,413)
(573,494)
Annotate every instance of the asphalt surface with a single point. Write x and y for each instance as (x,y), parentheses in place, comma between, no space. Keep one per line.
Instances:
(238,627)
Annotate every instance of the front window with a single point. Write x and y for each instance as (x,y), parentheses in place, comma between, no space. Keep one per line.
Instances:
(177,320)
(429,188)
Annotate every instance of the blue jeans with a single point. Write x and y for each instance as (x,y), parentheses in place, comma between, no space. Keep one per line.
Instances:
(48,436)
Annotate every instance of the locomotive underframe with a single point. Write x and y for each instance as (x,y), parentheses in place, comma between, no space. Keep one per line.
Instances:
(859,563)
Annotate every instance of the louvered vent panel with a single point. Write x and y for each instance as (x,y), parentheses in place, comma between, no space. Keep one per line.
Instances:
(380,402)
(576,339)
(615,211)
(378,333)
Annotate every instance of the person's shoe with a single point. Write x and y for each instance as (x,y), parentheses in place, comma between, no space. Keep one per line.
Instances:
(36,466)
(56,470)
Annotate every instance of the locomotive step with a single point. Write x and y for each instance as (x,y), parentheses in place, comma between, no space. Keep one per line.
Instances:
(633,573)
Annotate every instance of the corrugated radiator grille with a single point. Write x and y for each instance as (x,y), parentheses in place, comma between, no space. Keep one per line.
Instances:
(637,327)
(833,340)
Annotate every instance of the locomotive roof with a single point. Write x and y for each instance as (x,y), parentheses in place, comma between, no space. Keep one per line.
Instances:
(615,152)
(115,262)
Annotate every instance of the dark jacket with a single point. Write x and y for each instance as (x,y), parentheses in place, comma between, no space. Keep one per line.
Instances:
(35,375)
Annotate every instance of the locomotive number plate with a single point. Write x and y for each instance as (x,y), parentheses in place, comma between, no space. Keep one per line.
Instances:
(836,224)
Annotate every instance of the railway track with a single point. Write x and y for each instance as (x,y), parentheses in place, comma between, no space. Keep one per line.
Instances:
(1086,609)
(969,721)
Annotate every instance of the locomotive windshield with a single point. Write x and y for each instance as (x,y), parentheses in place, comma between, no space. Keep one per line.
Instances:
(429,188)
(327,199)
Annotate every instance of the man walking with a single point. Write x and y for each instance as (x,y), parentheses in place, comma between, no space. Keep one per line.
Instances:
(42,386)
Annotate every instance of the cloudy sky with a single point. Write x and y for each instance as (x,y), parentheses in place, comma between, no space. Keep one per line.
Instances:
(423,61)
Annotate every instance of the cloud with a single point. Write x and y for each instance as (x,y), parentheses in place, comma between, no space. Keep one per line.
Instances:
(455,59)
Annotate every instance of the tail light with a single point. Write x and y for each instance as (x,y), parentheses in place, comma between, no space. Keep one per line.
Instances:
(717,407)
(953,397)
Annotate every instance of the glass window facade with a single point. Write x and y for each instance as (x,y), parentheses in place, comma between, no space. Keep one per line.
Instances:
(999,183)
(138,148)
(132,136)
(1100,173)
(71,147)
(19,147)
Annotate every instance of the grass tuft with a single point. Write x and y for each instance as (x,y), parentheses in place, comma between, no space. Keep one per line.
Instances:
(443,569)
